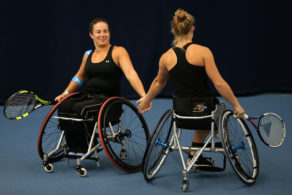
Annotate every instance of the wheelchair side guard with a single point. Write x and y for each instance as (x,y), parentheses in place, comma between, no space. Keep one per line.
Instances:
(218,112)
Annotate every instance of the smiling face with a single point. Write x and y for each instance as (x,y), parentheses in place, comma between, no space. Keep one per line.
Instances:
(100,34)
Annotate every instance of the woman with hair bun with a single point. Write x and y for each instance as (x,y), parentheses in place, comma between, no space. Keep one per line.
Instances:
(189,66)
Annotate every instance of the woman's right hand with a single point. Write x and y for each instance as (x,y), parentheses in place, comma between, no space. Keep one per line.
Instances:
(61,96)
(238,111)
(144,105)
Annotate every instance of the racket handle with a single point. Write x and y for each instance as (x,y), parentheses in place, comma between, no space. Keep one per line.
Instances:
(53,102)
(245,116)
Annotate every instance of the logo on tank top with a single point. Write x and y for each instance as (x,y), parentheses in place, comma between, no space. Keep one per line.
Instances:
(107,61)
(199,108)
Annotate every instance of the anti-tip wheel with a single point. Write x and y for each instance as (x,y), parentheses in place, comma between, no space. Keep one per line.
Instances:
(49,168)
(82,172)
(185,185)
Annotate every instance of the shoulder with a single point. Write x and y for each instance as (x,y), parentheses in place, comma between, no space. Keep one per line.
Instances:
(165,55)
(203,50)
(119,49)
(199,47)
(88,52)
(168,56)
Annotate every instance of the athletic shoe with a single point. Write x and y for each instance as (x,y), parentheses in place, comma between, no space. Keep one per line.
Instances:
(202,162)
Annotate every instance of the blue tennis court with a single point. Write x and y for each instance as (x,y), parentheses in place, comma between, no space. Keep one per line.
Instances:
(22,170)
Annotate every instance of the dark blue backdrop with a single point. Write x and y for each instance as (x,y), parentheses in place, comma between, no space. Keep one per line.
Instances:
(42,42)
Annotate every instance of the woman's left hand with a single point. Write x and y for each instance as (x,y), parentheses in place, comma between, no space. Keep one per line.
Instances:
(144,105)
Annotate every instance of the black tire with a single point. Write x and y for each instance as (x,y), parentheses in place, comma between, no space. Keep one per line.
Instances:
(157,150)
(240,148)
(129,128)
(50,134)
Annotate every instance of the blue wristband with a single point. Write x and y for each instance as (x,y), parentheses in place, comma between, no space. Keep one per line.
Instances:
(77,80)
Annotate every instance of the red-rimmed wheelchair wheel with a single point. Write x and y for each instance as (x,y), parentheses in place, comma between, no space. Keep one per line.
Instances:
(50,134)
(123,133)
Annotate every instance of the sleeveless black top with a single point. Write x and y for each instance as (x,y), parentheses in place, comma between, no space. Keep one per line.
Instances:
(188,80)
(103,77)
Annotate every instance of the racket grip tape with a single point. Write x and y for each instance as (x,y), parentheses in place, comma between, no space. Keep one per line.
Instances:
(245,116)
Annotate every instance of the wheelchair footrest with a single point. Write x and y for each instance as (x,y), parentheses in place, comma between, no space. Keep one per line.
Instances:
(77,154)
(211,169)
(217,145)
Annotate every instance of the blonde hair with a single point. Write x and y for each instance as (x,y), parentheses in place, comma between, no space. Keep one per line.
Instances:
(181,24)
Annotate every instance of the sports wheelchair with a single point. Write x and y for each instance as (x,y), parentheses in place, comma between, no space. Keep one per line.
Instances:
(117,128)
(235,142)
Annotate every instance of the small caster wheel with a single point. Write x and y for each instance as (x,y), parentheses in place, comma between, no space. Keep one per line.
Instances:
(123,155)
(185,185)
(82,172)
(48,167)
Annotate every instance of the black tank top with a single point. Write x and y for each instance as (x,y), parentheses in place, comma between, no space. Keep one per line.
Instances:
(103,77)
(188,80)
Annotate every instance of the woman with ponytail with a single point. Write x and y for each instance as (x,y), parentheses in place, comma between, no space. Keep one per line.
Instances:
(190,65)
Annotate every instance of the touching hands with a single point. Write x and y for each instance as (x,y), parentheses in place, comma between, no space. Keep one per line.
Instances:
(144,105)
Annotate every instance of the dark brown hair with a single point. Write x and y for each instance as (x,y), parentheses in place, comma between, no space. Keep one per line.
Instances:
(97,20)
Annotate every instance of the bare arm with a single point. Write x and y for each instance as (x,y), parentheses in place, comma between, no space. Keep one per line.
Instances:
(157,85)
(129,71)
(72,85)
(220,84)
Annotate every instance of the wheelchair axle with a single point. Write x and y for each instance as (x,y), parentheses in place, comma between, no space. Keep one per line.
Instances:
(158,142)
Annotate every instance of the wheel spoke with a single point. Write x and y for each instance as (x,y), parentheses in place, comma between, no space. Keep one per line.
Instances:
(128,136)
(158,148)
(240,148)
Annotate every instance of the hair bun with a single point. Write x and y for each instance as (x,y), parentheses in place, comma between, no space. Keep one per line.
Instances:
(180,14)
(181,18)
(182,22)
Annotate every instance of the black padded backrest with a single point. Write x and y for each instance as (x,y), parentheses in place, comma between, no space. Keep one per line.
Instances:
(194,106)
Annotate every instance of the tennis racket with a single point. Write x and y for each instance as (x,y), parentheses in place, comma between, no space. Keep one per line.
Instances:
(270,128)
(22,103)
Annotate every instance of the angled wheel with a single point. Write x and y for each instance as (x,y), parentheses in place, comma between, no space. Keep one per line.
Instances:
(157,149)
(123,133)
(50,135)
(82,172)
(240,148)
(48,167)
(185,185)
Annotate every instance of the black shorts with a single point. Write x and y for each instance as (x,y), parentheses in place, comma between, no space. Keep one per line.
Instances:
(78,133)
(82,105)
(194,106)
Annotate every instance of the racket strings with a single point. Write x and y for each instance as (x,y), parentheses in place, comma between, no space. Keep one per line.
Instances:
(19,105)
(272,129)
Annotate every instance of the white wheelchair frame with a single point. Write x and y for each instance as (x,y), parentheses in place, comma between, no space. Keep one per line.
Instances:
(103,135)
(209,145)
